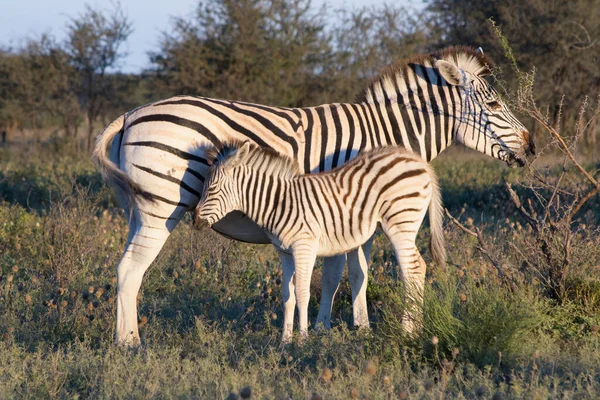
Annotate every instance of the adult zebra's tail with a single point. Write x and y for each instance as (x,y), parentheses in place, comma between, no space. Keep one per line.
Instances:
(110,171)
(437,243)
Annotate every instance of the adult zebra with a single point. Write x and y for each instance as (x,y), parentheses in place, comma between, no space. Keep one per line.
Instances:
(308,215)
(158,153)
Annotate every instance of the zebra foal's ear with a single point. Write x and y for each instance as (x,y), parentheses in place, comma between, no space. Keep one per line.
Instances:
(240,154)
(451,73)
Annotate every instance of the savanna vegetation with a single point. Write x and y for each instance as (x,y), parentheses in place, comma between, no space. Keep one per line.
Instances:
(516,314)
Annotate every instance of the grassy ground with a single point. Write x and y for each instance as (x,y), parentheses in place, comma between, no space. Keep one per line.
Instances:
(210,309)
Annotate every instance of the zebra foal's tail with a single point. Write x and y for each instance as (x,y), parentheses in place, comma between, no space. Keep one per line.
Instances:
(110,171)
(437,243)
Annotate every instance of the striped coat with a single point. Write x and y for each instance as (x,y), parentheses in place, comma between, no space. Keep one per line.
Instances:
(328,213)
(158,159)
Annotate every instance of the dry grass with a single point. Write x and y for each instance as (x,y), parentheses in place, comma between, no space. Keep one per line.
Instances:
(210,309)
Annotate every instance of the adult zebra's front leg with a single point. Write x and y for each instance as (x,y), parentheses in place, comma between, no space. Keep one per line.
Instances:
(333,267)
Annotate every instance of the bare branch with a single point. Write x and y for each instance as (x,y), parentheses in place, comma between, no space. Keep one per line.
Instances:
(482,247)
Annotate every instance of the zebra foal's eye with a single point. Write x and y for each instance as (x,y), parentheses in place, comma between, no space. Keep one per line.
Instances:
(494,105)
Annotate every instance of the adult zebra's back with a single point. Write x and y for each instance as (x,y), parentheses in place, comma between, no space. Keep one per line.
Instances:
(157,158)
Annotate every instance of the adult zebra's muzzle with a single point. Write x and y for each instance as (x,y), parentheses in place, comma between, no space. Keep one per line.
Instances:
(519,159)
(529,143)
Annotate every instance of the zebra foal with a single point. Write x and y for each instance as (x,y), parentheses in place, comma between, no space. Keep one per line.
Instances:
(327,213)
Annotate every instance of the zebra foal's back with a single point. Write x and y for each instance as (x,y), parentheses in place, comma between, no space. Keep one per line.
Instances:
(327,213)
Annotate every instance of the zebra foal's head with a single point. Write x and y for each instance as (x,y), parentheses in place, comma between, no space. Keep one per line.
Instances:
(230,186)
(220,196)
(485,123)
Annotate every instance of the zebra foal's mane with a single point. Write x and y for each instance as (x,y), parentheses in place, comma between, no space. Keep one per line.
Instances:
(283,166)
(464,57)
(280,165)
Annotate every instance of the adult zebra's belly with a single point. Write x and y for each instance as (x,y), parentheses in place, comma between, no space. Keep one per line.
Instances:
(238,226)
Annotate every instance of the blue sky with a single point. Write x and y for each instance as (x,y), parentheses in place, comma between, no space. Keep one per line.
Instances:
(22,19)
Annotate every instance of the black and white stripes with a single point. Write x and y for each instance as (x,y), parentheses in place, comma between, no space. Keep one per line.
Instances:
(328,213)
(158,154)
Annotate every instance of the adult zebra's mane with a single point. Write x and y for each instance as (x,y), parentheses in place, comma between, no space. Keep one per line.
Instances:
(466,58)
(278,164)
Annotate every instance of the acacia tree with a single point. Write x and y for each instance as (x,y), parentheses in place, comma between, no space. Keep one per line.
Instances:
(264,51)
(94,46)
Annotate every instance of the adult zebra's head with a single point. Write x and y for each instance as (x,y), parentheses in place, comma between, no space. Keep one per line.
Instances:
(220,195)
(484,122)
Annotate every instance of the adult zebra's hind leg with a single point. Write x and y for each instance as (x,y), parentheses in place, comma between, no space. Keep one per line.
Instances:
(142,247)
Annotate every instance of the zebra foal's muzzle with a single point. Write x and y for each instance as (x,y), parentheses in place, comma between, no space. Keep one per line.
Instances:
(201,221)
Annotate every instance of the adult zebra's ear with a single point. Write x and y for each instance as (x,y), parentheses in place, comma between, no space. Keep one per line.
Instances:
(451,73)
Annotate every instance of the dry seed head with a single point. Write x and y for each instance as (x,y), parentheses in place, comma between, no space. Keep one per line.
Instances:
(63,304)
(61,291)
(455,352)
(428,385)
(27,299)
(462,297)
(370,368)
(435,340)
(91,290)
(175,274)
(386,380)
(15,268)
(99,293)
(326,375)
(73,294)
(9,278)
(90,307)
(197,264)
(274,316)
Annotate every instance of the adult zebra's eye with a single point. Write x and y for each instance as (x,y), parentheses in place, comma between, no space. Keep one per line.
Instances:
(494,105)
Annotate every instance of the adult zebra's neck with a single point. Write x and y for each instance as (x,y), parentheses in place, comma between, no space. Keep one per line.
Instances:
(420,120)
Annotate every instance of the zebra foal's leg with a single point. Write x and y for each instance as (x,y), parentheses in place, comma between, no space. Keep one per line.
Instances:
(145,242)
(333,267)
(289,295)
(304,259)
(358,269)
(412,273)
